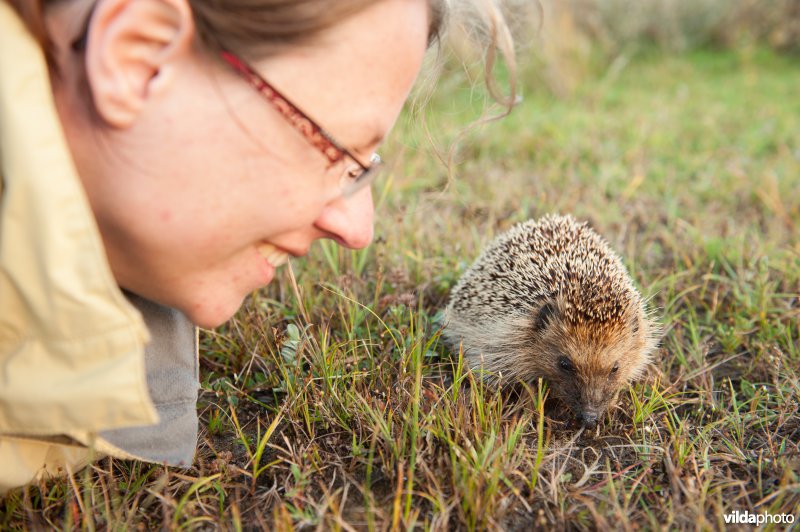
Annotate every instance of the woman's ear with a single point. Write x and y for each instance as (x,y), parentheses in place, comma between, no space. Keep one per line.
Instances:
(131,49)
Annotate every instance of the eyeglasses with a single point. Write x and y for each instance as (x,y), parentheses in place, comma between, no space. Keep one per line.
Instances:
(356,175)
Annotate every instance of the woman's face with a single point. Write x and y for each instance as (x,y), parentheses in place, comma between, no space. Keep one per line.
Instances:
(199,186)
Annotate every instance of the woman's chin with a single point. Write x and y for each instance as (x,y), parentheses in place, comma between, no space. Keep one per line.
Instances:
(211,300)
(209,314)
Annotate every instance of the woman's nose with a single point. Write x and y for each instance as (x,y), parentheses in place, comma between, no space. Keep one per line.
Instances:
(349,220)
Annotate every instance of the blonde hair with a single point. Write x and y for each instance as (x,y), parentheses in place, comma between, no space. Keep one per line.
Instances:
(484,25)
(478,35)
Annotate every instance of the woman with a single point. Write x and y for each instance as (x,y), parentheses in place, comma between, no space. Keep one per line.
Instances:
(160,159)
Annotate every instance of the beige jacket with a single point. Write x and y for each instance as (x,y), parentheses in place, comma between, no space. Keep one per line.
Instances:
(72,345)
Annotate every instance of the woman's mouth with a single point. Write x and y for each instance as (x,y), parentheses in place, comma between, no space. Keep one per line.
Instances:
(275,256)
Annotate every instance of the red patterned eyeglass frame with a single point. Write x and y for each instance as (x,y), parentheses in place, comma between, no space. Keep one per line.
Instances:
(305,125)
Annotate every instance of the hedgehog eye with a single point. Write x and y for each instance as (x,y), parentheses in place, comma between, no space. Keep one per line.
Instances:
(615,369)
(566,364)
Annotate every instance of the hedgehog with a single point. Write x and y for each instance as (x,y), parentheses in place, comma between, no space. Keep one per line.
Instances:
(550,299)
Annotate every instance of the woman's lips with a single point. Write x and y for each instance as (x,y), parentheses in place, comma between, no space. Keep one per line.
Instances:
(275,256)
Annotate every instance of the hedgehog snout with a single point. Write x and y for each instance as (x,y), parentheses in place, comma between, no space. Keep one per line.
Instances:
(594,399)
(589,415)
(588,418)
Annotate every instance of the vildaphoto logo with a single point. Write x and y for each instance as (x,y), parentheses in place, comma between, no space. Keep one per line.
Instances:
(742,518)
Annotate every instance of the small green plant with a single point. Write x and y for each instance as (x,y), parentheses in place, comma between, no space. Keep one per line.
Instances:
(255,449)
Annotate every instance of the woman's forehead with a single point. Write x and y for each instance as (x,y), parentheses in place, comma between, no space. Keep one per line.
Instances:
(359,73)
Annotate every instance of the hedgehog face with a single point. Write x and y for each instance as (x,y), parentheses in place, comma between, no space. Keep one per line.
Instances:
(588,363)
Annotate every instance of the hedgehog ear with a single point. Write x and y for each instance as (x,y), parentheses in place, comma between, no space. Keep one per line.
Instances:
(544,315)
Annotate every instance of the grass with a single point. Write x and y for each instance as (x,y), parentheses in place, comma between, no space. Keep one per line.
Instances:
(329,402)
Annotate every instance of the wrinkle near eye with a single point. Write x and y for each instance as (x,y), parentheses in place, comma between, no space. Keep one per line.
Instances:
(366,149)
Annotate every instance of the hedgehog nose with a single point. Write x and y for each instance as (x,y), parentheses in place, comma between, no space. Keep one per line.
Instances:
(588,419)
